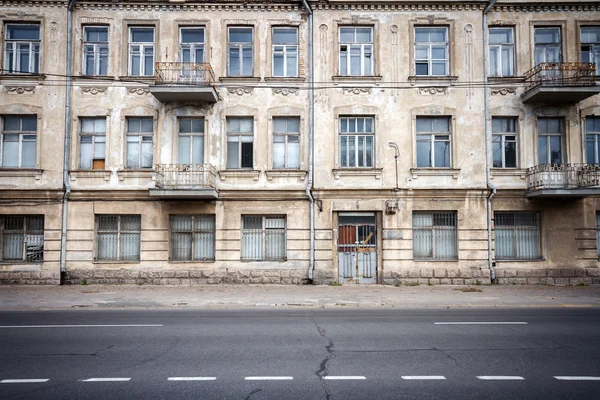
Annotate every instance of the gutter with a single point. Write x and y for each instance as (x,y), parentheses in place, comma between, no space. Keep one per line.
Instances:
(311,120)
(488,155)
(67,144)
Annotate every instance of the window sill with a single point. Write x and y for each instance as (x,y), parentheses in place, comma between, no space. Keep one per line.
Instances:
(281,260)
(34,264)
(136,173)
(341,172)
(22,172)
(506,79)
(191,261)
(284,79)
(17,77)
(435,259)
(432,80)
(137,79)
(239,79)
(114,262)
(239,173)
(286,173)
(357,78)
(92,173)
(508,260)
(454,172)
(521,173)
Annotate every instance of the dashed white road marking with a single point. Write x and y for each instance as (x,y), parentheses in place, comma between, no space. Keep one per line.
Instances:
(24,380)
(192,378)
(500,378)
(341,378)
(577,378)
(268,378)
(481,323)
(424,377)
(106,380)
(83,326)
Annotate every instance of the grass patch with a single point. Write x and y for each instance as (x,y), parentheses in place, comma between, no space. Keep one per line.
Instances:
(335,283)
(469,290)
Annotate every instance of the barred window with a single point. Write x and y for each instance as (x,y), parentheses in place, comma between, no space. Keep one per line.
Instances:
(22,238)
(357,137)
(192,237)
(263,238)
(516,235)
(434,236)
(118,237)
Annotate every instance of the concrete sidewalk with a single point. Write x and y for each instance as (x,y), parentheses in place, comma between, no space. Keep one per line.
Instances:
(243,296)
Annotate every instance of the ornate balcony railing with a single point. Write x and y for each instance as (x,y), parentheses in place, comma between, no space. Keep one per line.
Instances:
(185,176)
(563,176)
(561,74)
(180,73)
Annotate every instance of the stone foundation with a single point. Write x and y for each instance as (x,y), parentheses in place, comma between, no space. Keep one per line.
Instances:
(437,276)
(29,278)
(559,277)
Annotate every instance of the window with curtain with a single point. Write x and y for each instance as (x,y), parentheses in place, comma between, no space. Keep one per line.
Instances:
(434,236)
(21,238)
(192,237)
(263,238)
(286,142)
(516,236)
(118,237)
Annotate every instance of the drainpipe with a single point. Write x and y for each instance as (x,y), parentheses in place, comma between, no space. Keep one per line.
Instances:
(311,119)
(488,181)
(67,144)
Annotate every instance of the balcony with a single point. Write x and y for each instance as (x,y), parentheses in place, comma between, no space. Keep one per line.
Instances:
(185,181)
(176,81)
(560,83)
(563,180)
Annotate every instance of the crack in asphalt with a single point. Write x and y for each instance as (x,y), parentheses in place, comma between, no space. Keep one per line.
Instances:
(252,393)
(322,371)
(449,356)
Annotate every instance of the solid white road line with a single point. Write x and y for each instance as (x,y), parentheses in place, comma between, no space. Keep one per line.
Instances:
(424,377)
(343,378)
(106,380)
(84,326)
(480,323)
(192,378)
(268,378)
(500,378)
(577,378)
(24,380)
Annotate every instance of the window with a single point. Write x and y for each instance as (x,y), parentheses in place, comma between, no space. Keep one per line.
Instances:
(240,146)
(92,143)
(434,236)
(592,140)
(118,237)
(22,238)
(356,51)
(286,143)
(590,46)
(191,141)
(191,44)
(550,141)
(192,237)
(22,48)
(516,235)
(240,52)
(502,51)
(431,51)
(95,50)
(19,139)
(547,45)
(139,143)
(357,135)
(285,51)
(263,238)
(141,51)
(504,142)
(598,234)
(433,142)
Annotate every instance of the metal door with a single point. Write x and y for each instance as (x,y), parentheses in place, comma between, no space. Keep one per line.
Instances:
(357,248)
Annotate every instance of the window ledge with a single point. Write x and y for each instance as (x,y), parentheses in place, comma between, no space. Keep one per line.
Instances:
(138,79)
(432,80)
(356,78)
(341,172)
(454,172)
(506,79)
(21,172)
(191,261)
(92,173)
(284,79)
(34,265)
(521,173)
(114,262)
(286,173)
(509,260)
(239,79)
(136,173)
(435,259)
(239,173)
(6,78)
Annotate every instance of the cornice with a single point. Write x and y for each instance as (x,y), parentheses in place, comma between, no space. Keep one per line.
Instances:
(181,6)
(34,3)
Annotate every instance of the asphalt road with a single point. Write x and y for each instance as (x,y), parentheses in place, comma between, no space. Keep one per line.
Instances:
(301,354)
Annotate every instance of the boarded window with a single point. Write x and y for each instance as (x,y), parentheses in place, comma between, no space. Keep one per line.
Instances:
(118,237)
(263,238)
(22,238)
(434,236)
(192,237)
(516,235)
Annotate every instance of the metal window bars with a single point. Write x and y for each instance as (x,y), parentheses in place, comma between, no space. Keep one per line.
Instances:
(263,238)
(22,238)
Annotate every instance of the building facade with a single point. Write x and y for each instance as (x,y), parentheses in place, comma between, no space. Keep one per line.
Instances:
(391,142)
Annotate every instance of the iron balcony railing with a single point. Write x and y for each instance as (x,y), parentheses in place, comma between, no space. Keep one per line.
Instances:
(181,73)
(563,176)
(561,74)
(185,176)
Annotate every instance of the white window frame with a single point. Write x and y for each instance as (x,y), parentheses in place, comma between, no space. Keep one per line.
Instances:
(365,51)
(356,135)
(206,237)
(504,140)
(142,138)
(265,239)
(286,50)
(438,236)
(287,134)
(120,232)
(517,234)
(32,247)
(240,46)
(192,46)
(500,47)
(593,136)
(191,135)
(547,46)
(593,48)
(22,137)
(547,136)
(97,137)
(430,45)
(12,46)
(100,50)
(240,136)
(432,138)
(143,46)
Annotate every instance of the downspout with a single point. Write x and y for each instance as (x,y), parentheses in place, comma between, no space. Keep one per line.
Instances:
(488,140)
(311,119)
(67,144)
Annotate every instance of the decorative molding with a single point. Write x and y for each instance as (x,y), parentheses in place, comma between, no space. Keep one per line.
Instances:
(503,91)
(415,172)
(19,89)
(433,91)
(239,173)
(138,91)
(300,174)
(93,90)
(395,57)
(21,172)
(182,6)
(341,172)
(90,174)
(361,90)
(469,61)
(285,91)
(240,91)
